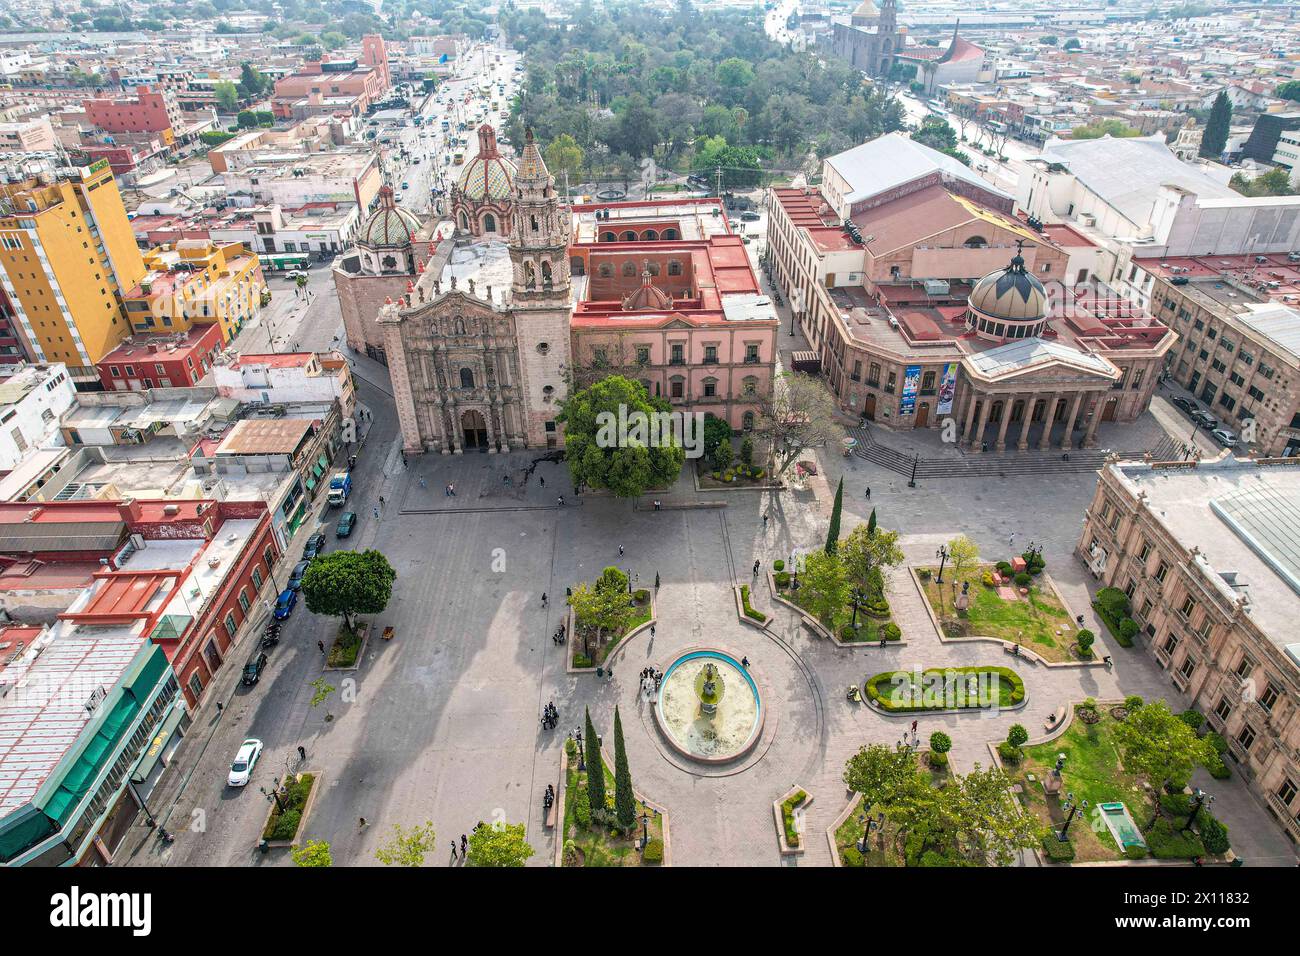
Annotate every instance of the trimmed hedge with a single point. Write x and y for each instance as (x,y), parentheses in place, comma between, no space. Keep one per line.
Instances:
(750,612)
(787,816)
(654,851)
(1057,851)
(887,679)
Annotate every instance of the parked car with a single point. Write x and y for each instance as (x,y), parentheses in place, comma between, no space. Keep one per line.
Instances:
(284,604)
(241,768)
(294,274)
(1225,436)
(1186,404)
(750,216)
(253,669)
(295,576)
(1205,420)
(347,521)
(315,546)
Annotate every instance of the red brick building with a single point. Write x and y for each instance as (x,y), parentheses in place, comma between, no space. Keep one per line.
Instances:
(151,111)
(177,360)
(186,573)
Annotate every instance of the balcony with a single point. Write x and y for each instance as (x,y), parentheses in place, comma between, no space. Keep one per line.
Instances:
(752,360)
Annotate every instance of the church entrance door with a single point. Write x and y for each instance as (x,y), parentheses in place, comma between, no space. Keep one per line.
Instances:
(474,429)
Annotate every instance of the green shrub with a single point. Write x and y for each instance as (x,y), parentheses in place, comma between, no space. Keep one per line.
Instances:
(891,632)
(778,565)
(850,856)
(1218,768)
(747,450)
(1176,804)
(1192,718)
(987,579)
(782,579)
(787,816)
(654,851)
(581,660)
(1008,753)
(571,748)
(938,760)
(1085,639)
(1057,851)
(1113,602)
(1135,851)
(940,743)
(1214,834)
(1216,741)
(1128,629)
(750,612)
(1132,702)
(1023,579)
(1004,567)
(286,825)
(1166,842)
(641,595)
(1017,735)
(581,807)
(923,573)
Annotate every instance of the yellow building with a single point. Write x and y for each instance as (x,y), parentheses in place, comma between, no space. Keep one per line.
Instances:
(67,252)
(197,282)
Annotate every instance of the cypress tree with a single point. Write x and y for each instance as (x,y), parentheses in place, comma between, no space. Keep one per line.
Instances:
(871,523)
(1215,136)
(833,532)
(624,801)
(595,770)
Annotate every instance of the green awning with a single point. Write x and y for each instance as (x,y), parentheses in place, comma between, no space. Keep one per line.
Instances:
(317,470)
(323,461)
(153,753)
(311,483)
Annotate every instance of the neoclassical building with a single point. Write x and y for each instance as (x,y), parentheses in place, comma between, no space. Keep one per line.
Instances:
(870,39)
(481,197)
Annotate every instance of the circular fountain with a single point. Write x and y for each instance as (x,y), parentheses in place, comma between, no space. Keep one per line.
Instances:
(709,707)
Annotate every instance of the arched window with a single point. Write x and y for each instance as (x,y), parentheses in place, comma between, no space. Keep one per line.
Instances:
(629,236)
(748,421)
(629,269)
(466,378)
(606,271)
(530,276)
(652,268)
(607,237)
(674,267)
(670,234)
(976,242)
(651,235)
(464,223)
(489,222)
(546,273)
(533,220)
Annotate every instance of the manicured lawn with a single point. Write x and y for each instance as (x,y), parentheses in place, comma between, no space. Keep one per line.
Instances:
(1092,772)
(943,688)
(1038,621)
(598,845)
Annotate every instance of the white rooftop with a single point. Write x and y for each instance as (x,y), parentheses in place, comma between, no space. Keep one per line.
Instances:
(1276,322)
(1126,172)
(1016,357)
(890,161)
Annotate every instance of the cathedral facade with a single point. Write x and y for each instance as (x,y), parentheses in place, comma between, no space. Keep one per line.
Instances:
(478,368)
(870,39)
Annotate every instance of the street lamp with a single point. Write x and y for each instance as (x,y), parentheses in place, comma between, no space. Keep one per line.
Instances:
(274,794)
(645,829)
(911,482)
(1074,807)
(1202,799)
(942,555)
(581,764)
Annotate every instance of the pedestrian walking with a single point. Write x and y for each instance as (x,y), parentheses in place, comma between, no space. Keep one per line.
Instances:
(541,481)
(321,645)
(744,662)
(560,501)
(381,501)
(423,483)
(543,599)
(361,822)
(652,632)
(620,551)
(656,580)
(755,568)
(868,492)
(464,845)
(914,726)
(764,520)
(451,489)
(453,851)
(376,511)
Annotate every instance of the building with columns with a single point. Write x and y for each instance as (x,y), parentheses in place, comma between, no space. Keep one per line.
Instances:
(1206,552)
(887,269)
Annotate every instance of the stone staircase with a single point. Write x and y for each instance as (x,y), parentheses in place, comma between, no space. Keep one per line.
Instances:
(994,464)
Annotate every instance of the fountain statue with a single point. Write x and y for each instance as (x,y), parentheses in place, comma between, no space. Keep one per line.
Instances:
(710,688)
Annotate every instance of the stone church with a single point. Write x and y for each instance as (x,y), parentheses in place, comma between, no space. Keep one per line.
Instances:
(871,38)
(481,368)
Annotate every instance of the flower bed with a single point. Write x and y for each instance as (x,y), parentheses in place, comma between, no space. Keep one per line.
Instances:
(946,688)
(1037,620)
(874,620)
(347,646)
(285,819)
(588,843)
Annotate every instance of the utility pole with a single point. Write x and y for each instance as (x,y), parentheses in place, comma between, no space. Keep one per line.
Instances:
(718,173)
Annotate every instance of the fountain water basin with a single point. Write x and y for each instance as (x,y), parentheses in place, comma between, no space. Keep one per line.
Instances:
(709,707)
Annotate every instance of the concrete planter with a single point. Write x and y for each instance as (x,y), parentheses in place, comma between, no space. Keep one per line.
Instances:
(779,817)
(317,776)
(819,629)
(364,628)
(571,643)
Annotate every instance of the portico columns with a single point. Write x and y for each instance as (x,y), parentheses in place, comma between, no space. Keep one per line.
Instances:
(1026,416)
(977,436)
(1049,416)
(1068,441)
(1007,403)
(969,417)
(1090,436)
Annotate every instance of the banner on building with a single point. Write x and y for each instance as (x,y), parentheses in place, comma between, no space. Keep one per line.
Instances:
(947,388)
(911,385)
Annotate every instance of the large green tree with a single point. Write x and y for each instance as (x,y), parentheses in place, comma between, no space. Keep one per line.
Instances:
(602,608)
(601,454)
(1215,137)
(824,585)
(407,847)
(796,415)
(866,553)
(347,583)
(595,768)
(833,531)
(1158,746)
(501,844)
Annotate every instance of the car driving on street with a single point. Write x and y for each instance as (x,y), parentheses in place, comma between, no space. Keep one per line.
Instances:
(241,768)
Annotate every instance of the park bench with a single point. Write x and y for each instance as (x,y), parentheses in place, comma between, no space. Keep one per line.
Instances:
(1055,719)
(550,815)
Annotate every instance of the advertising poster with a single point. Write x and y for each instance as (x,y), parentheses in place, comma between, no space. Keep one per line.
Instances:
(911,385)
(947,388)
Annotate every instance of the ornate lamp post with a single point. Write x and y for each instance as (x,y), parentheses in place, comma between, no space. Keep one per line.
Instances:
(911,482)
(1202,799)
(1074,807)
(869,824)
(942,555)
(581,764)
(645,830)
(273,794)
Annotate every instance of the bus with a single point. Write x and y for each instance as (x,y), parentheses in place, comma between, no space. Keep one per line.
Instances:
(284,261)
